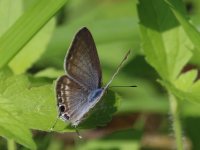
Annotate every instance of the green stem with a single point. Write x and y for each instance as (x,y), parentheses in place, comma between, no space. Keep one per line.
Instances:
(174,106)
(11,144)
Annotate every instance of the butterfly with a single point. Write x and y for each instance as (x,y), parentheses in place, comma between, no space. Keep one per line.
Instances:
(80,89)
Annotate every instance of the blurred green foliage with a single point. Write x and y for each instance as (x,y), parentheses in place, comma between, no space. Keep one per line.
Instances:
(34,38)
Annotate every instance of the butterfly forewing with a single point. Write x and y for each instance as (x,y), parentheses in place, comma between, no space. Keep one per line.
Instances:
(82,62)
(71,98)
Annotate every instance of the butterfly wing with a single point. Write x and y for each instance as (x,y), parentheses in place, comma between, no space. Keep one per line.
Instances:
(82,62)
(71,99)
(84,78)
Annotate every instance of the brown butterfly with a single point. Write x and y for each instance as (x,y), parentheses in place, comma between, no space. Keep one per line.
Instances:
(80,88)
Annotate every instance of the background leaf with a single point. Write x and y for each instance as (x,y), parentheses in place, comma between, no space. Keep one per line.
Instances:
(26,27)
(192,32)
(163,49)
(163,39)
(7,17)
(23,60)
(33,50)
(11,128)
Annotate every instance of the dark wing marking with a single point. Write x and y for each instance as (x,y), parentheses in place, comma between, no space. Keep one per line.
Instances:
(82,62)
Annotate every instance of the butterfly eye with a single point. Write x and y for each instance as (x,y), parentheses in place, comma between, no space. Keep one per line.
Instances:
(62,108)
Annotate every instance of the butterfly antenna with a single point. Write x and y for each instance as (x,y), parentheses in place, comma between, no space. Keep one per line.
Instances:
(118,68)
(78,133)
(51,129)
(123,86)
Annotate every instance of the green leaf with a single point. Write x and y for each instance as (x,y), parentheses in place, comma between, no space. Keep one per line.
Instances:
(10,11)
(23,60)
(185,81)
(185,88)
(49,73)
(11,125)
(12,128)
(14,39)
(33,50)
(39,105)
(177,9)
(35,107)
(167,49)
(164,42)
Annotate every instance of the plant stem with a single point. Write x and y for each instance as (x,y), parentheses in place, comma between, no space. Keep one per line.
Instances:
(174,106)
(11,144)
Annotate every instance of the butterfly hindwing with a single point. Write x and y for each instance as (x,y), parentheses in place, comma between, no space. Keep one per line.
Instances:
(71,99)
(82,62)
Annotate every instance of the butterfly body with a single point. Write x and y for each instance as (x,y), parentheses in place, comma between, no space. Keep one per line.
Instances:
(94,94)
